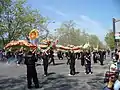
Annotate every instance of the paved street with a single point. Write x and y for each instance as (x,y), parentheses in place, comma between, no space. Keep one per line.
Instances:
(13,77)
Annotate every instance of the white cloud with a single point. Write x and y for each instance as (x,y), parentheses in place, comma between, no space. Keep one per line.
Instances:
(91,26)
(89,20)
(55,10)
(60,13)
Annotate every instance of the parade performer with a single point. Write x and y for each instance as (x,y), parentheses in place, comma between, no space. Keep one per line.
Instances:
(68,57)
(95,57)
(72,63)
(59,55)
(101,57)
(30,60)
(51,56)
(87,58)
(82,58)
(45,57)
(20,56)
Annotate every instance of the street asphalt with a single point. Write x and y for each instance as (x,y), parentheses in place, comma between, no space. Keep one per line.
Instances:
(13,77)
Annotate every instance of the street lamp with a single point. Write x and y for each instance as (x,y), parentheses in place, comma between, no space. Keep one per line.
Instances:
(114,21)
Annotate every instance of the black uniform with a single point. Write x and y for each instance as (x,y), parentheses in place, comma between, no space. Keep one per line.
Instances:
(108,51)
(20,57)
(52,57)
(78,55)
(30,60)
(72,63)
(82,59)
(9,54)
(60,55)
(45,58)
(66,54)
(101,57)
(87,58)
(68,58)
(95,57)
(104,53)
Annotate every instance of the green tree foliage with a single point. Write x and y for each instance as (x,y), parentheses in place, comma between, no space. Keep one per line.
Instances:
(109,39)
(94,40)
(69,34)
(3,4)
(18,19)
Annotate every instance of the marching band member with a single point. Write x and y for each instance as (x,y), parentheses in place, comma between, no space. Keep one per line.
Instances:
(87,58)
(30,60)
(45,57)
(72,63)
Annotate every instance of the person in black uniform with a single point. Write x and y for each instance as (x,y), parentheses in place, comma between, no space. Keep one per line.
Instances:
(30,60)
(78,55)
(45,58)
(66,54)
(72,63)
(108,51)
(82,58)
(60,55)
(52,57)
(101,57)
(104,53)
(68,58)
(20,57)
(87,58)
(95,57)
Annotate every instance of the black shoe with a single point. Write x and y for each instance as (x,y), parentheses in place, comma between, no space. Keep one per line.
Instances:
(91,72)
(36,86)
(86,73)
(29,87)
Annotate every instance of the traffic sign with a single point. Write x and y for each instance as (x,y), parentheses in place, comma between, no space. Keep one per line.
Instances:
(117,35)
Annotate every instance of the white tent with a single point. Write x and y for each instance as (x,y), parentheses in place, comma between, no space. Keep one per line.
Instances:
(87,45)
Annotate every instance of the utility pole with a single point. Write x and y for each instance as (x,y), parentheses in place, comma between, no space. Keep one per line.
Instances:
(114,33)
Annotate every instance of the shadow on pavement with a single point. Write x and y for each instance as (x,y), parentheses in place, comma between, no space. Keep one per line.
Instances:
(12,83)
(51,82)
(77,72)
(50,64)
(58,82)
(59,63)
(51,73)
(96,83)
(56,64)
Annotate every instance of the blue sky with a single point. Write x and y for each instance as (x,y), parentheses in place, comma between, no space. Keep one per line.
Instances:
(95,16)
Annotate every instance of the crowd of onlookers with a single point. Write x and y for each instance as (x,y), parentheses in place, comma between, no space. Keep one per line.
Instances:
(112,76)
